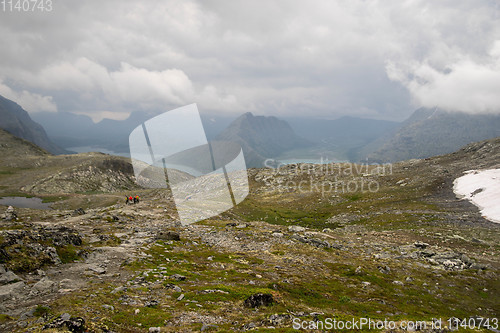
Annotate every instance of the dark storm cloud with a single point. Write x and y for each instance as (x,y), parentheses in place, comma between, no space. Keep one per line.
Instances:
(369,58)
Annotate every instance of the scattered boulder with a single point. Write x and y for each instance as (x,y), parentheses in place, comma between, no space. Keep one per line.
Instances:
(10,214)
(44,286)
(78,211)
(211,291)
(178,277)
(421,245)
(207,327)
(119,289)
(176,288)
(384,269)
(12,290)
(280,319)
(296,228)
(27,314)
(51,252)
(249,326)
(449,260)
(67,284)
(151,304)
(8,277)
(168,235)
(108,307)
(96,269)
(73,324)
(316,242)
(257,300)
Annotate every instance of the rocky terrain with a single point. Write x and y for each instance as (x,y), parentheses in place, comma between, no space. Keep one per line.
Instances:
(309,242)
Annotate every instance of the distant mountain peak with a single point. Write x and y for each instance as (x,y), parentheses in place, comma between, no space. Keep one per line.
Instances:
(433,131)
(262,137)
(17,121)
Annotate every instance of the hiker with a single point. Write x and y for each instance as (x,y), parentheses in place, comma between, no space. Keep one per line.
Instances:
(136,199)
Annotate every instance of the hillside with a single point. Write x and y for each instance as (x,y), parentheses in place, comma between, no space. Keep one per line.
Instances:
(262,137)
(24,167)
(15,120)
(430,132)
(13,148)
(304,245)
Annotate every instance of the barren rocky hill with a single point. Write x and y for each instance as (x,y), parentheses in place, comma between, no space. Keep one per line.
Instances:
(310,242)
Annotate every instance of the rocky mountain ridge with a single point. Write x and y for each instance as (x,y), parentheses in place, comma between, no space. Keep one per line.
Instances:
(15,120)
(432,131)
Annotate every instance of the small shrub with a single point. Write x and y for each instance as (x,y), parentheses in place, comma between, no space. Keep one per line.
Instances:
(344,299)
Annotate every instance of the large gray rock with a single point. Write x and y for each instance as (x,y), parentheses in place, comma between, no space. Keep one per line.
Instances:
(10,214)
(168,235)
(257,300)
(52,253)
(296,228)
(10,291)
(8,277)
(43,286)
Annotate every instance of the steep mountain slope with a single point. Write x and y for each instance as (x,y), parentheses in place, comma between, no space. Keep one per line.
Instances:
(430,132)
(15,120)
(67,129)
(262,137)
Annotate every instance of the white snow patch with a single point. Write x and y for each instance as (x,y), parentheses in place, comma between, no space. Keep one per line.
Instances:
(482,188)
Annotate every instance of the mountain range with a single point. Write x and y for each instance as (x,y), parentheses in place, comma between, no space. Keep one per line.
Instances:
(427,132)
(15,120)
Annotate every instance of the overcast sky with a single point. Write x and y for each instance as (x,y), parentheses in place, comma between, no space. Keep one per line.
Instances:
(375,59)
